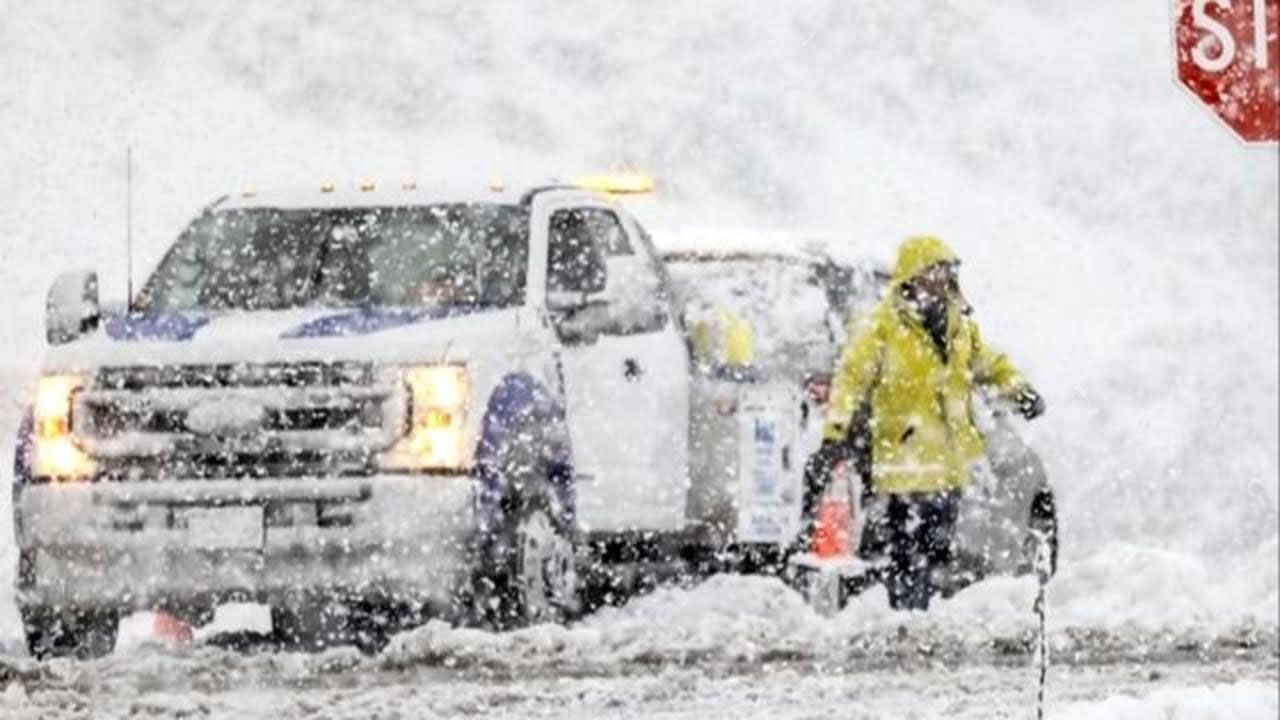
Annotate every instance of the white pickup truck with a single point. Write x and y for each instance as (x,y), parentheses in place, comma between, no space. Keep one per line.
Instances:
(369,406)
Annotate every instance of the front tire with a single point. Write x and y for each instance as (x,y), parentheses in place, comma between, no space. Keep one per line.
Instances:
(83,633)
(525,547)
(528,574)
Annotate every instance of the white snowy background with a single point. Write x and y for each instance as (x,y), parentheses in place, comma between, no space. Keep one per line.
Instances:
(1118,242)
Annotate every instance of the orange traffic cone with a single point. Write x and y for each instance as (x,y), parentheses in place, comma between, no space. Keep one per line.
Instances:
(171,631)
(833,531)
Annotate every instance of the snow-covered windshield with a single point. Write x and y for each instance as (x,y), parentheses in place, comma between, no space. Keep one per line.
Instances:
(470,254)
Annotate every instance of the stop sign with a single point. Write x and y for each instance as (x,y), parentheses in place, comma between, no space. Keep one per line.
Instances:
(1229,57)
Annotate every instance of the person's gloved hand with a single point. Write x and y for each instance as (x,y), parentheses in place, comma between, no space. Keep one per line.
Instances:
(817,475)
(1029,403)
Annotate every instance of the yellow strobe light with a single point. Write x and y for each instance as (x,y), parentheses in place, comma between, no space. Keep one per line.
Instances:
(619,184)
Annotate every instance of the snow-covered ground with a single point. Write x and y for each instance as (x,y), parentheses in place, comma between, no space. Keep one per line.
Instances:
(732,646)
(214,684)
(1117,242)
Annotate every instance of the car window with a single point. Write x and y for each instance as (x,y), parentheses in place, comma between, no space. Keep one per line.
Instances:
(634,291)
(571,240)
(607,229)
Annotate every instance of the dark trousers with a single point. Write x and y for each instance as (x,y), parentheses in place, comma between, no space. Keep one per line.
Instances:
(921,532)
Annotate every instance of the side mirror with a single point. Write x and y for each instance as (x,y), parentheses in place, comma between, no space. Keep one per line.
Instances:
(71,308)
(583,324)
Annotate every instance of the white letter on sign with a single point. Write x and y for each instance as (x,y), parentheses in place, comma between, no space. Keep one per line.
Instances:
(1201,19)
(1260,34)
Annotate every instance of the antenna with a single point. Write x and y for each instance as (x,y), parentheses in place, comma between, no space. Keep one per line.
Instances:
(128,227)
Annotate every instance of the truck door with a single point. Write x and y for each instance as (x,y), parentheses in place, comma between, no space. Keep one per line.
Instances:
(627,385)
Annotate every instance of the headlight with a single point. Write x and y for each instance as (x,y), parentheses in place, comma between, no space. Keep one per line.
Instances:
(437,410)
(55,451)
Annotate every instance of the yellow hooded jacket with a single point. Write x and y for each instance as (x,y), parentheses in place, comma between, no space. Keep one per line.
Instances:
(921,413)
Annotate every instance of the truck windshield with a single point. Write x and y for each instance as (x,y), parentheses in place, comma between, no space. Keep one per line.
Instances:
(466,254)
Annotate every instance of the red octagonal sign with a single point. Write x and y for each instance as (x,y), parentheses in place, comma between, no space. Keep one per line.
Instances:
(1229,57)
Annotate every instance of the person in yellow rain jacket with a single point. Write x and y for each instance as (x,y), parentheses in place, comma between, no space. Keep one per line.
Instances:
(902,403)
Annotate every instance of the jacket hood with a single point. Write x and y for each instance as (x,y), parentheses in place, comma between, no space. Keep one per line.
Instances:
(918,253)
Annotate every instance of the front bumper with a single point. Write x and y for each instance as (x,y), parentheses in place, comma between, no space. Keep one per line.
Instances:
(129,544)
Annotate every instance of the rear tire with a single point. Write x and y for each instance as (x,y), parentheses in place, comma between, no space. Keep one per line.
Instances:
(84,633)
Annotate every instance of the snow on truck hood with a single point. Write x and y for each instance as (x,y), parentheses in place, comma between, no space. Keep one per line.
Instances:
(386,334)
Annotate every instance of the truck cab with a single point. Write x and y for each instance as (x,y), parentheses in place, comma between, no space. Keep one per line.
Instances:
(369,406)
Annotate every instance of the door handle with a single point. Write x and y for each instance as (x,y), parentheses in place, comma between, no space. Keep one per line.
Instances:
(631,369)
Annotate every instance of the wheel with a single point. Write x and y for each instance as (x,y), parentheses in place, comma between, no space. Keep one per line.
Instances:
(546,579)
(294,629)
(529,573)
(318,623)
(69,632)
(525,547)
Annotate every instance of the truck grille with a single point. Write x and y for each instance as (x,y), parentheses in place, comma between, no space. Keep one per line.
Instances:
(114,419)
(239,420)
(304,374)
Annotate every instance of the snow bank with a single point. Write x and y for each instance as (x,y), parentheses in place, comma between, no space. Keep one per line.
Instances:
(726,618)
(1237,701)
(734,619)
